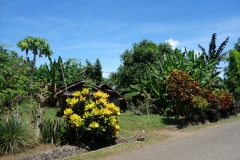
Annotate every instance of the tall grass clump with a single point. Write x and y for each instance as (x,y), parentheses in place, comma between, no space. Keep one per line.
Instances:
(51,131)
(15,136)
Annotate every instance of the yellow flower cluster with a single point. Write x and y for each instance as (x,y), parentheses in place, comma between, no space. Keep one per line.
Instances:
(72,101)
(114,109)
(94,125)
(98,95)
(77,94)
(75,120)
(85,91)
(96,115)
(68,111)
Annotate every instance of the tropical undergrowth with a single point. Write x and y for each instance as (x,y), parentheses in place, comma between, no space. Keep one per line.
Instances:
(186,85)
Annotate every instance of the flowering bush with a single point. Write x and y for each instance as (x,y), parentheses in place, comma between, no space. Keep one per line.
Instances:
(92,118)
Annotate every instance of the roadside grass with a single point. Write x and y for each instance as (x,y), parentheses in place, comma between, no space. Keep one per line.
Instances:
(132,124)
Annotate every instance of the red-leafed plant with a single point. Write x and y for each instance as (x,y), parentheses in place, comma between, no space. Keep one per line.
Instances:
(226,102)
(221,104)
(212,112)
(181,87)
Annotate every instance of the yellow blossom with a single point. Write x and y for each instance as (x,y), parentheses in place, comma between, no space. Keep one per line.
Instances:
(73,101)
(98,95)
(96,112)
(106,111)
(102,101)
(113,120)
(68,111)
(94,125)
(85,91)
(82,99)
(77,94)
(110,106)
(74,118)
(105,95)
(116,110)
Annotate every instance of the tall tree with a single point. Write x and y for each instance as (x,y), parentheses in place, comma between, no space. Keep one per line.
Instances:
(98,72)
(89,69)
(232,71)
(237,45)
(38,46)
(135,60)
(13,79)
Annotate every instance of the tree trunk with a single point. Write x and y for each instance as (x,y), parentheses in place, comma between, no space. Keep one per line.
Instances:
(31,80)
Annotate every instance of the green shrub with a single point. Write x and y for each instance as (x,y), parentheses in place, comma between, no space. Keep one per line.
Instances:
(15,136)
(51,131)
(198,108)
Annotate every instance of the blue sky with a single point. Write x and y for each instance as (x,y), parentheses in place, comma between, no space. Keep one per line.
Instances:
(104,29)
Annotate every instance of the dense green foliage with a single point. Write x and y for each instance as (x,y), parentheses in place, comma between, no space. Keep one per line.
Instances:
(134,62)
(175,82)
(14,82)
(232,71)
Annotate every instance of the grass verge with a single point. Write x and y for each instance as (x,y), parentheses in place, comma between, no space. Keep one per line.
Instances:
(199,127)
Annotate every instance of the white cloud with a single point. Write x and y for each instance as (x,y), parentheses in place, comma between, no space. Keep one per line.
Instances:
(173,43)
